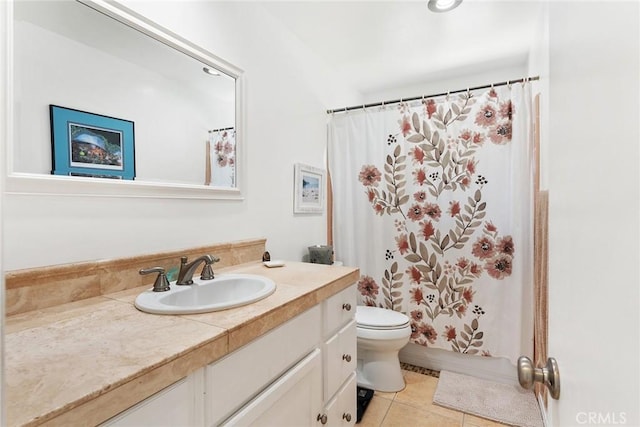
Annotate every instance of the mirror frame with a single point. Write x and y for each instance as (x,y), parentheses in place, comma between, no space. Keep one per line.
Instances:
(41,184)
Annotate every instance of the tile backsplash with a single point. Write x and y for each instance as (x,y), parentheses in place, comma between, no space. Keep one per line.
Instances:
(42,287)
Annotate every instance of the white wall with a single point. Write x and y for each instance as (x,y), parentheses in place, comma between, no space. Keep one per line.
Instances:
(454,80)
(594,211)
(287,92)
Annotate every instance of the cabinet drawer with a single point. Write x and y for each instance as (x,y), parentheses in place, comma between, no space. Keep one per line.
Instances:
(340,358)
(236,379)
(339,309)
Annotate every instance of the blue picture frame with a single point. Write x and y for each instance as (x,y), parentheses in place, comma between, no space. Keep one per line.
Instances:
(91,145)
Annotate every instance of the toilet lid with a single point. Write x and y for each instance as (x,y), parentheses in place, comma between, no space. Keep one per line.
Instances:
(379,318)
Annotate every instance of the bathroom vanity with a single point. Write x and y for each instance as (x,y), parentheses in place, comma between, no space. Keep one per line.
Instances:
(288,359)
(300,374)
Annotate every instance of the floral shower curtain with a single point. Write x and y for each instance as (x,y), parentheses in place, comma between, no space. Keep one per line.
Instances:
(433,202)
(222,157)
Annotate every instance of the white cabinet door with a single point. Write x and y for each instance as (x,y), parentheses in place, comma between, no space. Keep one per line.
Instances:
(179,405)
(340,358)
(231,382)
(341,411)
(295,399)
(348,402)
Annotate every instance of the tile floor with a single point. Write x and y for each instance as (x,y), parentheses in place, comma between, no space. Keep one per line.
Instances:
(414,407)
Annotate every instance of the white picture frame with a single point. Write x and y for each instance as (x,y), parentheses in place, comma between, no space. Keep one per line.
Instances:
(309,189)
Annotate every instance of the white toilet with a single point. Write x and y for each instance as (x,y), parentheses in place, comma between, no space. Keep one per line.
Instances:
(381,334)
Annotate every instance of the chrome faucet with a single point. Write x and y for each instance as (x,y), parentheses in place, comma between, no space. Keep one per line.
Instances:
(185,276)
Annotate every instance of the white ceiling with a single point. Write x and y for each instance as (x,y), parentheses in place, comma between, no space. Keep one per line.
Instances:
(376,45)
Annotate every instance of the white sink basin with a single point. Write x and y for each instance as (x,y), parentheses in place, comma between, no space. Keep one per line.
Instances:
(225,291)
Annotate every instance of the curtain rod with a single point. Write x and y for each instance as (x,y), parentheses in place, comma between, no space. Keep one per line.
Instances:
(220,130)
(397,101)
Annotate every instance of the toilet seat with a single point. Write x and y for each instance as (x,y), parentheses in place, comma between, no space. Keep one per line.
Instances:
(375,318)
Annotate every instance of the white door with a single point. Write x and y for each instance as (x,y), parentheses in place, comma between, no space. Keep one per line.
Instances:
(593,177)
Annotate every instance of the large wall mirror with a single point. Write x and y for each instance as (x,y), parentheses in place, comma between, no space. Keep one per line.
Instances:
(107,102)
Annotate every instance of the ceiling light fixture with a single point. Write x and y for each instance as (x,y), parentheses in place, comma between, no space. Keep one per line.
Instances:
(443,5)
(211,71)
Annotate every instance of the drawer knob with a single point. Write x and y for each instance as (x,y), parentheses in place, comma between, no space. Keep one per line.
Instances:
(322,418)
(346,306)
(346,357)
(346,416)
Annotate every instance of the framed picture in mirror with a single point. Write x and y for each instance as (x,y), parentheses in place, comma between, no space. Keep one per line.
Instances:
(91,145)
(309,189)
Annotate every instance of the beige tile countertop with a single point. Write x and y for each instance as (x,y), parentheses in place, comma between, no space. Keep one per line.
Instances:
(83,362)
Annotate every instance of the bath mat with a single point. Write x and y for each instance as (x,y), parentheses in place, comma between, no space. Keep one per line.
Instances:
(364,397)
(504,403)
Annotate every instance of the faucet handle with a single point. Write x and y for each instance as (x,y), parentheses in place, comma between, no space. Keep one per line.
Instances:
(161,284)
(207,272)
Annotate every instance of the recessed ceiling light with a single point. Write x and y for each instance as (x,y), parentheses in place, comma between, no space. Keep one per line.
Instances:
(211,71)
(443,5)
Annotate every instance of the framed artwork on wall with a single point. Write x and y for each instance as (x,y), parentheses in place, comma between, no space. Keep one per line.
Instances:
(309,189)
(91,145)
